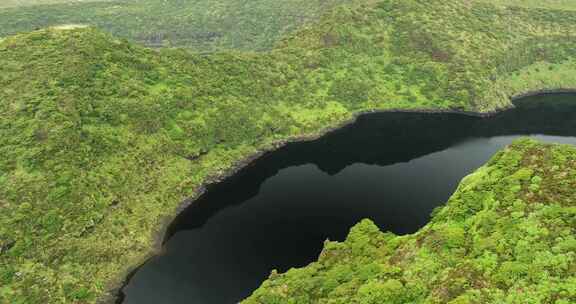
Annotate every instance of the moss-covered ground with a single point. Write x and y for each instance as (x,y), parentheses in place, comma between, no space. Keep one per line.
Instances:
(101,139)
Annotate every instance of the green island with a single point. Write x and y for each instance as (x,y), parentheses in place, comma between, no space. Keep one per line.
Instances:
(101,140)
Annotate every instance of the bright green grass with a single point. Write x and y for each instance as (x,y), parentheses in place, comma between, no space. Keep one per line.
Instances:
(530,78)
(101,139)
(505,236)
(553,4)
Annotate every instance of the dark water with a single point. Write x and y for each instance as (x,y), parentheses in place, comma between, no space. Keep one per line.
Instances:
(392,168)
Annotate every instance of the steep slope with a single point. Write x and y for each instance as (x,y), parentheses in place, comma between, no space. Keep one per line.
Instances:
(505,236)
(100,139)
(474,55)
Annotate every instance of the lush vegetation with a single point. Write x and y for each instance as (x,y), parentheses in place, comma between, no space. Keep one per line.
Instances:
(555,4)
(506,236)
(101,139)
(20,3)
(203,25)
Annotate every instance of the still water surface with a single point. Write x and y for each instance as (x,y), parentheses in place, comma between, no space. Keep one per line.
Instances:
(393,168)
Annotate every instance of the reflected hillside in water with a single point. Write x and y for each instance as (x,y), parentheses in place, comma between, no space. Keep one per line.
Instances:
(384,139)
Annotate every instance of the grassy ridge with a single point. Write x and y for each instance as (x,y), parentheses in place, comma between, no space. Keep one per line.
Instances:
(554,4)
(100,139)
(20,3)
(505,236)
(203,25)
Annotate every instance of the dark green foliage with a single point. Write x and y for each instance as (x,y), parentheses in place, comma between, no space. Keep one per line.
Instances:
(496,241)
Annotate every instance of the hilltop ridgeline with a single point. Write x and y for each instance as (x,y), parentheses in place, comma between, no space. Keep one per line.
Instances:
(201,25)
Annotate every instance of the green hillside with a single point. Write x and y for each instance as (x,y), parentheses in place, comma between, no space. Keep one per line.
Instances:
(505,236)
(20,3)
(203,25)
(554,4)
(101,139)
